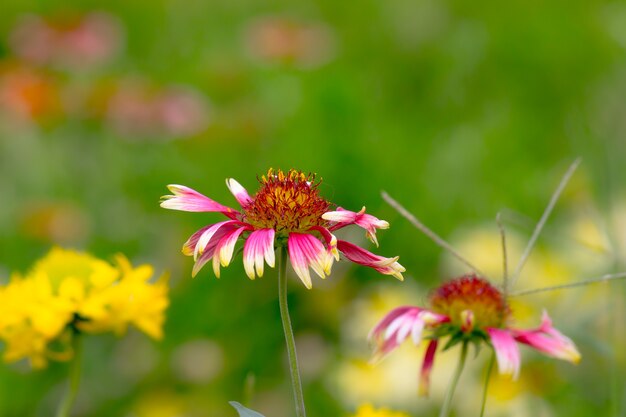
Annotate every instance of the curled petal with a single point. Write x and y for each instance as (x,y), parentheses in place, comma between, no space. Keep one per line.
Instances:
(212,245)
(341,215)
(187,199)
(189,246)
(226,246)
(387,320)
(427,366)
(366,221)
(306,251)
(223,251)
(259,246)
(212,233)
(239,192)
(331,241)
(507,352)
(387,266)
(203,259)
(401,322)
(548,340)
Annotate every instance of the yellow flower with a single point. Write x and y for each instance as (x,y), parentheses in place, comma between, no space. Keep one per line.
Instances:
(70,292)
(367,410)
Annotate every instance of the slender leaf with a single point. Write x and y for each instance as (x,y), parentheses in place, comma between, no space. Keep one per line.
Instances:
(243,411)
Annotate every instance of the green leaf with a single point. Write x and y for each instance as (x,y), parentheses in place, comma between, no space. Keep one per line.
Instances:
(454,340)
(243,411)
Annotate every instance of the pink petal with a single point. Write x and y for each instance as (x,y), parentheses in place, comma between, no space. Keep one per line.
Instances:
(507,352)
(417,329)
(259,245)
(341,216)
(190,245)
(206,256)
(331,241)
(388,319)
(306,251)
(427,366)
(387,266)
(401,322)
(548,340)
(187,199)
(226,246)
(211,233)
(210,248)
(239,192)
(224,249)
(366,221)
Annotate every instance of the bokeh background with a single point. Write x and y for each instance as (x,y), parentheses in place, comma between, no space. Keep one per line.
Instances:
(458,110)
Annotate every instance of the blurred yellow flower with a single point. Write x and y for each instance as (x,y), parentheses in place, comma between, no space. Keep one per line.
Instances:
(69,292)
(368,411)
(160,403)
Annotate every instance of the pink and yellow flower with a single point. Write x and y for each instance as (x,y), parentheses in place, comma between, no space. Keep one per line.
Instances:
(468,309)
(286,211)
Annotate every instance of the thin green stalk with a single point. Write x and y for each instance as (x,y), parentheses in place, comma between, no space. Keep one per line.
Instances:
(505,259)
(603,278)
(296,383)
(544,219)
(447,402)
(429,233)
(65,407)
(486,386)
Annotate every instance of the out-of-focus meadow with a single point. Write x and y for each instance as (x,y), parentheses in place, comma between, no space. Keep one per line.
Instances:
(459,111)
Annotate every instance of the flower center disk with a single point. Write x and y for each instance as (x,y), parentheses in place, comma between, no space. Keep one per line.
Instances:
(470,293)
(287,202)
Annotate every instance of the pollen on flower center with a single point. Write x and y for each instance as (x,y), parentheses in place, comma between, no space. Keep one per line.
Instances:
(287,202)
(470,293)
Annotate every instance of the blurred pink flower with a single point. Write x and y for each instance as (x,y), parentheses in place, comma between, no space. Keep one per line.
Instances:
(468,309)
(139,110)
(286,211)
(70,41)
(283,40)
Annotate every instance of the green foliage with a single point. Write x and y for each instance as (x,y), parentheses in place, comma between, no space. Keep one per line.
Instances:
(456,109)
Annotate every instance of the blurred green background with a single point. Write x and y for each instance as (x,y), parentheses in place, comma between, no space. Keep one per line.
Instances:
(458,110)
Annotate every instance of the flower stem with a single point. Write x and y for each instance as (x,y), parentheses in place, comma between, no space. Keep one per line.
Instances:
(486,386)
(447,403)
(74,378)
(296,383)
(429,233)
(603,278)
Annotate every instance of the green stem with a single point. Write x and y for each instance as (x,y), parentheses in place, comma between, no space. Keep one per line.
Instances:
(447,403)
(296,383)
(74,378)
(486,386)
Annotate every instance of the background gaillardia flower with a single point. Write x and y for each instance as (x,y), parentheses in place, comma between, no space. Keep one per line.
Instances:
(286,211)
(468,310)
(68,293)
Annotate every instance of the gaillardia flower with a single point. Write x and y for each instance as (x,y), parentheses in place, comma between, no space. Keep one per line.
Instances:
(67,293)
(468,309)
(287,210)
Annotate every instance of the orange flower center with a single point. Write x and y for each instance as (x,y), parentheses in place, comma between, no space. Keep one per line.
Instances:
(287,202)
(470,293)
